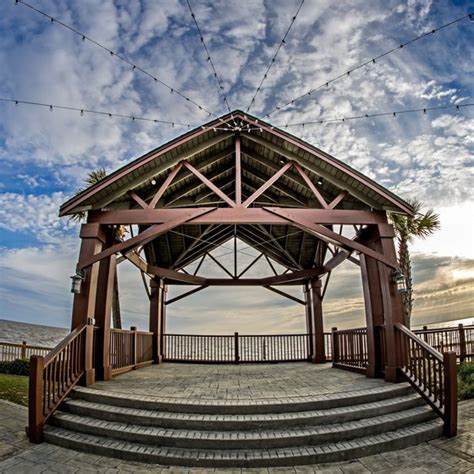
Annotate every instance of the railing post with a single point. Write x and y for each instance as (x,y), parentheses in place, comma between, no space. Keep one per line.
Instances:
(450,394)
(335,346)
(425,334)
(89,371)
(134,345)
(23,349)
(35,400)
(236,348)
(462,343)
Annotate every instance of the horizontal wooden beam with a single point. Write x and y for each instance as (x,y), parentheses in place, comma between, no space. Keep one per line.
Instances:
(238,215)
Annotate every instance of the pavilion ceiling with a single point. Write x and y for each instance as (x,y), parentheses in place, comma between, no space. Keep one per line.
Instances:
(212,152)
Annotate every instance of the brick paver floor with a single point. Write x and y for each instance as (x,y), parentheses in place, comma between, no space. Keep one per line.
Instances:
(453,455)
(237,382)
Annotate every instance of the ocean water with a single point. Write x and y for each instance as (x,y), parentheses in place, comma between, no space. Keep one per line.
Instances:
(33,334)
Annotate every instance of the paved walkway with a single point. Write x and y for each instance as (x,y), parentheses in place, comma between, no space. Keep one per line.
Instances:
(17,455)
(237,382)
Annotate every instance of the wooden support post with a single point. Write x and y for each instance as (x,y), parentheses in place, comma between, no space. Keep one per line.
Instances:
(93,239)
(23,350)
(236,348)
(462,343)
(35,400)
(164,298)
(309,319)
(89,372)
(103,313)
(381,294)
(156,316)
(374,315)
(317,321)
(335,346)
(133,349)
(450,394)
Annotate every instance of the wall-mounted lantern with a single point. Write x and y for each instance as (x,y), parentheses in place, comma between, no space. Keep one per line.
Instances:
(77,280)
(399,279)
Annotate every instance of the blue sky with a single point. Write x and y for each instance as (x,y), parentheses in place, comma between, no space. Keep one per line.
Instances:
(46,155)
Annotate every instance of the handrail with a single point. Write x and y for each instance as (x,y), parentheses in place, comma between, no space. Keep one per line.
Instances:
(10,351)
(350,350)
(54,376)
(431,373)
(130,349)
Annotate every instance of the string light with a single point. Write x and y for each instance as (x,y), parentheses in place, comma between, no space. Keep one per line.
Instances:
(372,115)
(220,87)
(282,42)
(364,64)
(82,111)
(135,67)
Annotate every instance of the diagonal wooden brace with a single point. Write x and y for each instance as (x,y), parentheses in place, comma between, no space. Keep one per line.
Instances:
(329,236)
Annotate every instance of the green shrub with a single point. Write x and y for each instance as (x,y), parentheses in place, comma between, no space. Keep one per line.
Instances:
(466,380)
(15,367)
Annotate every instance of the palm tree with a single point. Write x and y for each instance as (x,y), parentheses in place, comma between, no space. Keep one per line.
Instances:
(406,228)
(93,178)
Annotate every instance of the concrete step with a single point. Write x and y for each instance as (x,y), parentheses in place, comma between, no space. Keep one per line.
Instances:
(225,422)
(257,406)
(265,439)
(327,452)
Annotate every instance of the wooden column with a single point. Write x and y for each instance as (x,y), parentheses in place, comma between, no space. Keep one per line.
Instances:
(319,356)
(382,299)
(163,319)
(93,239)
(156,318)
(374,315)
(309,319)
(103,312)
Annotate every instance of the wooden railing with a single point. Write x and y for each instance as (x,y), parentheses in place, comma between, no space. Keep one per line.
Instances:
(10,351)
(459,339)
(54,376)
(432,374)
(349,348)
(236,348)
(130,349)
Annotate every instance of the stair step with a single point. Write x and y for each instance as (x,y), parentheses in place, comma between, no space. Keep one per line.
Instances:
(244,439)
(224,422)
(328,452)
(242,406)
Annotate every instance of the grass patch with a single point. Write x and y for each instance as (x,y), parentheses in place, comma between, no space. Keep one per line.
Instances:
(14,388)
(466,380)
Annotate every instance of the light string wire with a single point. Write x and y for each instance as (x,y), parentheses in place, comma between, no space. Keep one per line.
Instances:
(282,42)
(366,63)
(134,66)
(378,114)
(219,85)
(241,127)
(85,110)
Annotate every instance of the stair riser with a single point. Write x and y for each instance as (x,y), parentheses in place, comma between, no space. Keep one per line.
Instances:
(270,461)
(239,425)
(280,442)
(323,404)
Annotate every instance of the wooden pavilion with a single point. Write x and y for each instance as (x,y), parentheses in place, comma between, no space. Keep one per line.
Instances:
(238,177)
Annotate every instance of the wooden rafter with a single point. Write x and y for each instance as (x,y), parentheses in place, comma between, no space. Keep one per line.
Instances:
(209,184)
(165,186)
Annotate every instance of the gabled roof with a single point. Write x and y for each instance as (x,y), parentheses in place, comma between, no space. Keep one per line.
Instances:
(211,150)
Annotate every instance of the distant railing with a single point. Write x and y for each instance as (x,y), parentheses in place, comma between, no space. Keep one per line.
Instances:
(130,349)
(54,376)
(432,374)
(10,351)
(236,348)
(459,339)
(350,349)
